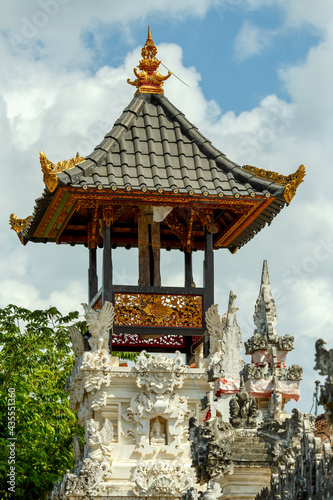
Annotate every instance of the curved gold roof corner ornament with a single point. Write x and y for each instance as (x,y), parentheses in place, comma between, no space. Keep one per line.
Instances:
(149,80)
(50,170)
(49,176)
(295,181)
(18,225)
(291,181)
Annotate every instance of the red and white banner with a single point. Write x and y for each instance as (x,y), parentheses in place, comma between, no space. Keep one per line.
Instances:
(227,386)
(289,389)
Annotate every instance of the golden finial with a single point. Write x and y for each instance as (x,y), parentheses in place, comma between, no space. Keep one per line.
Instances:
(149,80)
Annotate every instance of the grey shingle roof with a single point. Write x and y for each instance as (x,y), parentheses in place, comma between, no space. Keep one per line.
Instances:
(153,147)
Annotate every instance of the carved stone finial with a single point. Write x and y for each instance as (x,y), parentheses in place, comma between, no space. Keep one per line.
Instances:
(265,317)
(225,342)
(149,80)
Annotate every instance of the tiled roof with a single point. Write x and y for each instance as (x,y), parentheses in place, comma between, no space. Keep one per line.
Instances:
(153,147)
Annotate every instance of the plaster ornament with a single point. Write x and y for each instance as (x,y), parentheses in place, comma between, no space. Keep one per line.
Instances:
(157,431)
(99,325)
(243,410)
(161,479)
(294,372)
(276,401)
(324,359)
(265,317)
(77,341)
(98,445)
(225,342)
(211,449)
(160,374)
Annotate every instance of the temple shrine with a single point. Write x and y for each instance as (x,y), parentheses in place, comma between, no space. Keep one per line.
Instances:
(155,182)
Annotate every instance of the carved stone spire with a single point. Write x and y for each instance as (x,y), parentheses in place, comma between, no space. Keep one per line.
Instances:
(265,317)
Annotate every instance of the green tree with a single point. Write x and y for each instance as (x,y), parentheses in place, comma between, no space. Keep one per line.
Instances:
(35,361)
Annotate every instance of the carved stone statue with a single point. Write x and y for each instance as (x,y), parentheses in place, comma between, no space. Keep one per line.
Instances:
(98,442)
(243,410)
(276,401)
(157,431)
(99,325)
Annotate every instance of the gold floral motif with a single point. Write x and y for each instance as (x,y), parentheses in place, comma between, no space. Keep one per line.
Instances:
(291,181)
(149,80)
(134,309)
(19,224)
(50,170)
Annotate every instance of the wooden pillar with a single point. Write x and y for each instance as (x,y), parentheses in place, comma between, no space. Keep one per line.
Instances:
(107,292)
(149,242)
(188,269)
(92,274)
(208,279)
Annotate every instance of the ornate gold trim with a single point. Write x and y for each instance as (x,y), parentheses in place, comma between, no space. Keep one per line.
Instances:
(135,309)
(149,80)
(50,170)
(291,181)
(19,224)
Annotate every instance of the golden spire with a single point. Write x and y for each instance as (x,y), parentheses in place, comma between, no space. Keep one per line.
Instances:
(149,80)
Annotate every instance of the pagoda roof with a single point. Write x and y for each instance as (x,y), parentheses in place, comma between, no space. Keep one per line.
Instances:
(155,156)
(153,147)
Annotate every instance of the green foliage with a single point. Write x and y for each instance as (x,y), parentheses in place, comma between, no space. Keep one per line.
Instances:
(35,361)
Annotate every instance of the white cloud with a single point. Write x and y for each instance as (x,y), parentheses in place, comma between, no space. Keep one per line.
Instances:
(251,41)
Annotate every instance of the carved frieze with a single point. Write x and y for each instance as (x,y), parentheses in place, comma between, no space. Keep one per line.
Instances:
(161,479)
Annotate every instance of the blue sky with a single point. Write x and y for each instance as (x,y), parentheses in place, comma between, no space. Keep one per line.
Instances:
(260,77)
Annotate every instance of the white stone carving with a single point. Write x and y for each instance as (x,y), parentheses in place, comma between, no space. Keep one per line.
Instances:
(98,441)
(160,373)
(162,479)
(99,325)
(225,341)
(77,341)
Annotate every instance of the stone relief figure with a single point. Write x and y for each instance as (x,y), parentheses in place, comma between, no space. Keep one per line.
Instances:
(276,401)
(99,325)
(157,433)
(98,441)
(243,410)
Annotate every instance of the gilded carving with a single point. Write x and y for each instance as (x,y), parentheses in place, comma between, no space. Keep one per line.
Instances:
(19,224)
(291,181)
(149,80)
(158,310)
(50,170)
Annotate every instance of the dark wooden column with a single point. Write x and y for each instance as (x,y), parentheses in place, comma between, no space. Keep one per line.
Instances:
(92,274)
(188,269)
(208,279)
(107,292)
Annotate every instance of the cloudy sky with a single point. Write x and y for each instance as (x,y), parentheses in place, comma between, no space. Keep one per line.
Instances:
(259,81)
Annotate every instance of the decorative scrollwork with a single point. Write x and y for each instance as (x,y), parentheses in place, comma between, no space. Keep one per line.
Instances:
(158,310)
(149,80)
(291,181)
(50,170)
(19,224)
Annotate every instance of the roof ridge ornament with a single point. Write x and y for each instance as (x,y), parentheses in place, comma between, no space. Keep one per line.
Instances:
(50,170)
(149,80)
(291,181)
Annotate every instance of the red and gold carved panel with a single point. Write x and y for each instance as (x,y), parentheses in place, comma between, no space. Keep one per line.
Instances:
(136,309)
(133,340)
